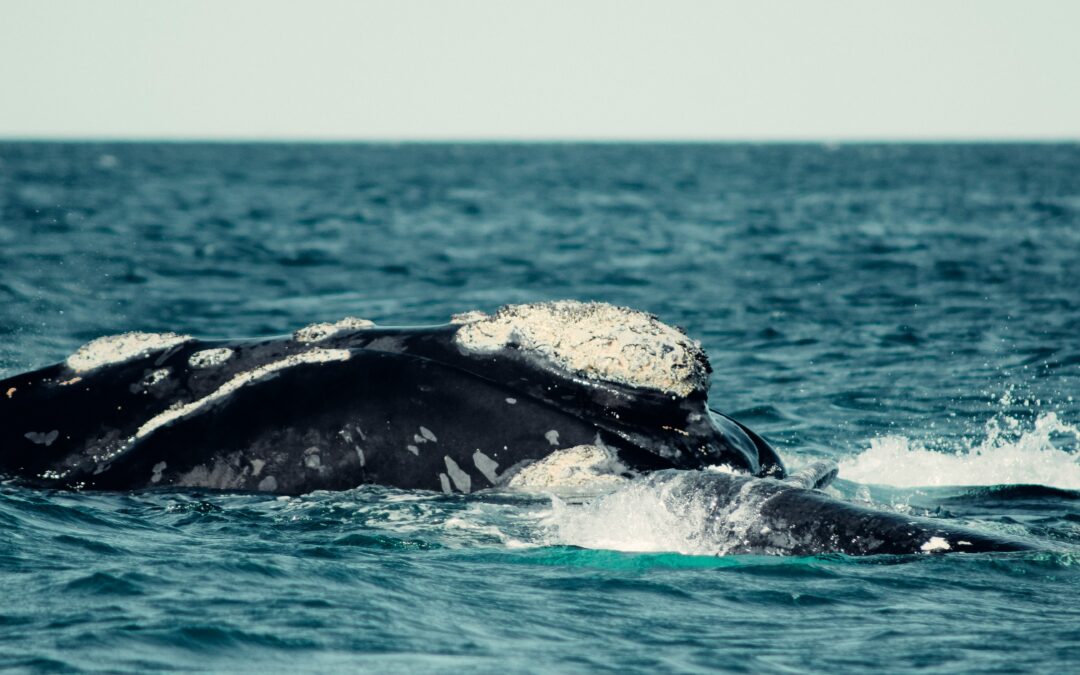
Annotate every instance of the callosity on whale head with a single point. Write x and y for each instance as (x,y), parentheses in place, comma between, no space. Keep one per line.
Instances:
(454,407)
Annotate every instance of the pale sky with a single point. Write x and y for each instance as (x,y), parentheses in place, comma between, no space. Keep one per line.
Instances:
(513,69)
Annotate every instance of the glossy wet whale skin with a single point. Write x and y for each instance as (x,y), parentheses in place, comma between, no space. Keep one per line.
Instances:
(402,407)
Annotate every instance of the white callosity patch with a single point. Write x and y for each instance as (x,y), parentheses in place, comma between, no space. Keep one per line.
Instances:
(594,340)
(119,348)
(157,469)
(318,332)
(935,544)
(571,468)
(552,437)
(208,358)
(238,381)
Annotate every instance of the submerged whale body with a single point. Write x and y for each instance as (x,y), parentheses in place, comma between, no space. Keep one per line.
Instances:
(510,399)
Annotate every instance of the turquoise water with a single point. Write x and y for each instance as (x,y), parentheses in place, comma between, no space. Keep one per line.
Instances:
(910,311)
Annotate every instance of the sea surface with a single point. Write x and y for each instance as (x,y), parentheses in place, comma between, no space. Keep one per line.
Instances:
(910,311)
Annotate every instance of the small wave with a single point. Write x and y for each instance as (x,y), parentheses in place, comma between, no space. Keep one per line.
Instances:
(1008,455)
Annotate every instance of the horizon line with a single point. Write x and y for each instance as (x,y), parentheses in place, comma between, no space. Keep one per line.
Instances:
(541,140)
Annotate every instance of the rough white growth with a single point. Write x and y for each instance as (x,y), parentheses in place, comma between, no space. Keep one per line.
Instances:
(238,381)
(552,437)
(119,348)
(594,340)
(935,544)
(209,358)
(317,332)
(571,467)
(427,435)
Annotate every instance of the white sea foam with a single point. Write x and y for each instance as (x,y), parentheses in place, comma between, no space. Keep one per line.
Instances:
(1008,455)
(639,517)
(659,516)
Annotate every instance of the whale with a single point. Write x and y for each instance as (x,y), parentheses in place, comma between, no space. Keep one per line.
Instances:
(455,407)
(528,397)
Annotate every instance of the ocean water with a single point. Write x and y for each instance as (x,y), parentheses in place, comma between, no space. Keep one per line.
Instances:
(910,311)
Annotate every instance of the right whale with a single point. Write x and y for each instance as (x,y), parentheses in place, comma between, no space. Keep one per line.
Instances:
(532,397)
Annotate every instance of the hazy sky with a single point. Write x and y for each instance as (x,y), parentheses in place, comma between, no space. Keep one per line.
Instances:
(830,69)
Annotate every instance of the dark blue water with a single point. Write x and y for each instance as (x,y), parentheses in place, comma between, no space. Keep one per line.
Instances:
(912,311)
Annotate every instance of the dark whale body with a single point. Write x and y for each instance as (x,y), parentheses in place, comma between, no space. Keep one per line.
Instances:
(340,405)
(400,407)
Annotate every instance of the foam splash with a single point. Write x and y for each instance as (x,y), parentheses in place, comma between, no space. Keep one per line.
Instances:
(1007,456)
(637,518)
(650,516)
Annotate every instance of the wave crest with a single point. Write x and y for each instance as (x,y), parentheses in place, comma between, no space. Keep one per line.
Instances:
(1008,455)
